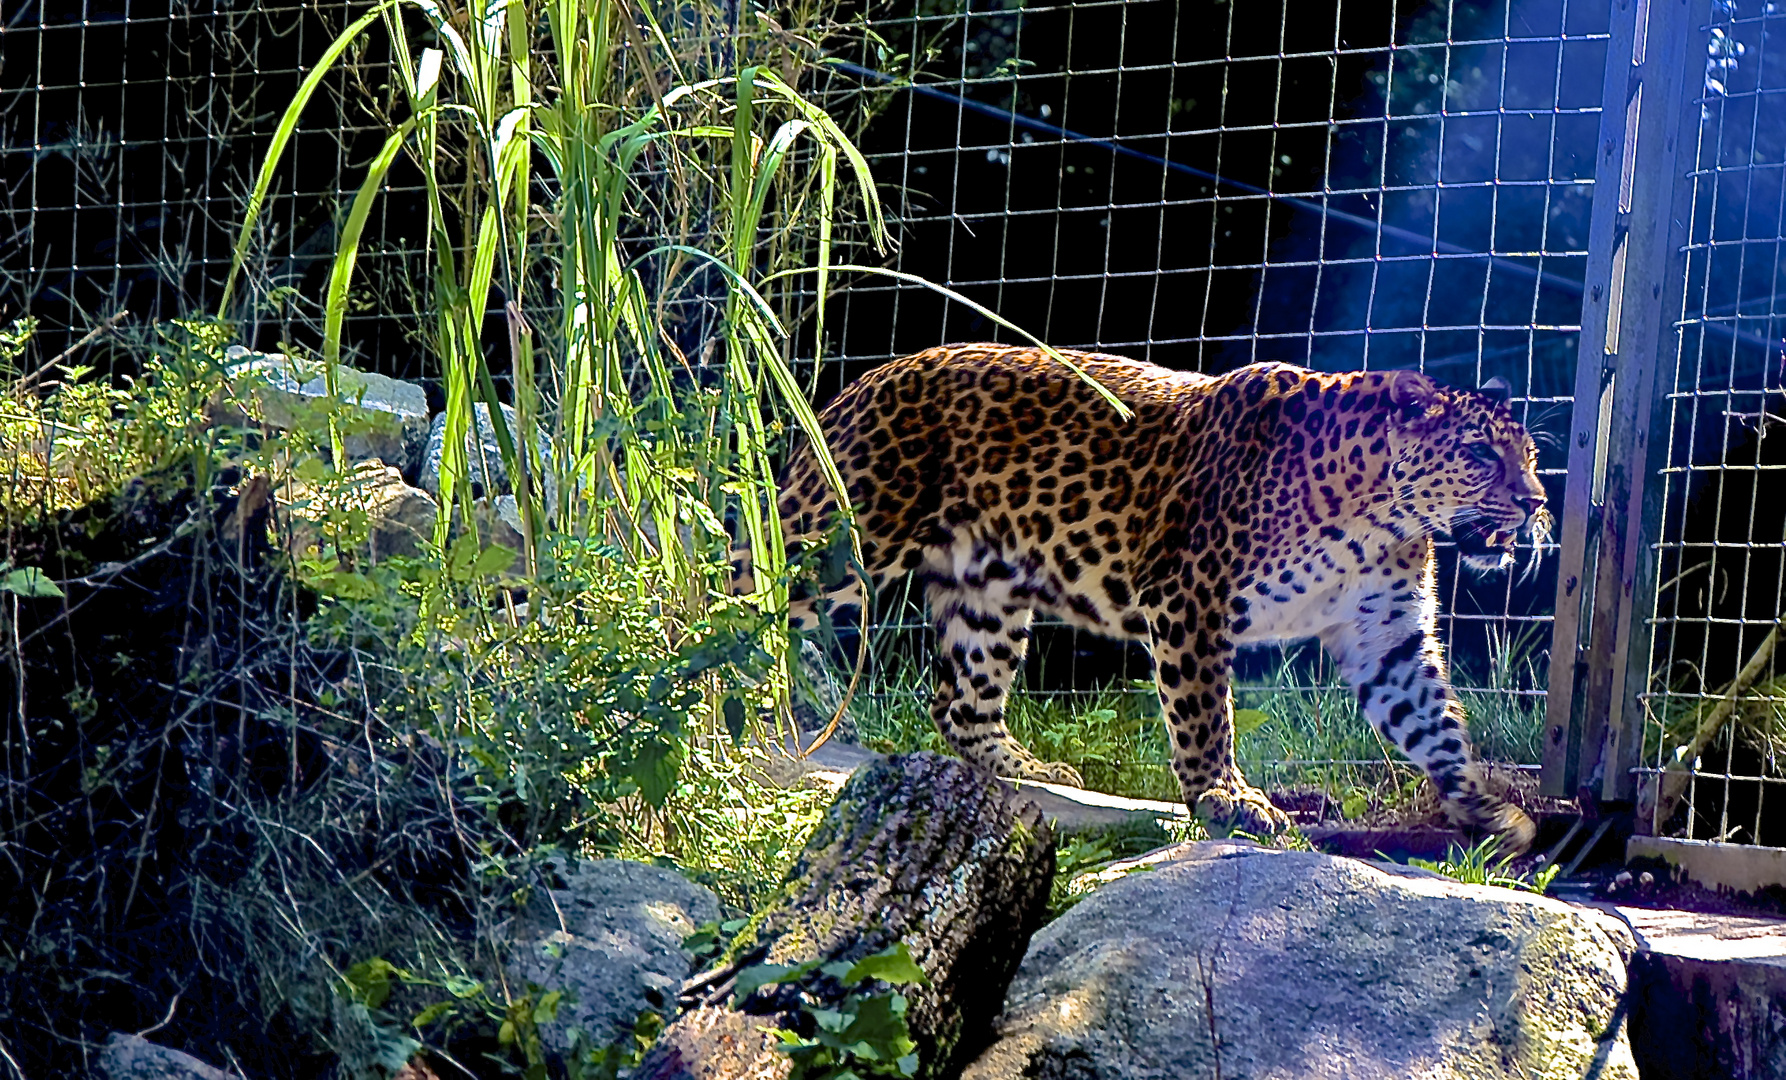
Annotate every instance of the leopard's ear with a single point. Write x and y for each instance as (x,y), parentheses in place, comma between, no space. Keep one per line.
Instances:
(1496,390)
(1414,395)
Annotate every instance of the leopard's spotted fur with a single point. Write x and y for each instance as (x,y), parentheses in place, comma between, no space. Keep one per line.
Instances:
(1266,504)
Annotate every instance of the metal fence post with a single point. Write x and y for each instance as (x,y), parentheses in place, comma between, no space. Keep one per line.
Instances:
(1612,509)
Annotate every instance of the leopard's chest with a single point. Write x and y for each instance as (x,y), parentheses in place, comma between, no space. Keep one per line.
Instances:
(1350,584)
(1279,610)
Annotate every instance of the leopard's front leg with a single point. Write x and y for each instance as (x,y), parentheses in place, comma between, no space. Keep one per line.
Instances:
(1389,652)
(1192,664)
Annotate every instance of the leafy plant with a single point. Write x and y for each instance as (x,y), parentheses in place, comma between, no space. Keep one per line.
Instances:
(708,942)
(1079,855)
(865,1035)
(71,437)
(15,341)
(368,986)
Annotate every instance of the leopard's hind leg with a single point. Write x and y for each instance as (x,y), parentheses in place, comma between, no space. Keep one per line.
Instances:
(982,632)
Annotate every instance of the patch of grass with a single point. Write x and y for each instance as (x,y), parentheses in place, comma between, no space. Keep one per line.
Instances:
(1112,736)
(1086,853)
(728,829)
(1505,704)
(1316,736)
(1480,866)
(1298,726)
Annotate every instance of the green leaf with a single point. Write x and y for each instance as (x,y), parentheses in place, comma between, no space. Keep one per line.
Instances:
(547,1010)
(837,969)
(880,1032)
(493,560)
(29,581)
(347,247)
(369,981)
(655,769)
(733,710)
(893,965)
(1353,806)
(1248,720)
(461,558)
(462,987)
(830,1019)
(348,585)
(757,976)
(432,1013)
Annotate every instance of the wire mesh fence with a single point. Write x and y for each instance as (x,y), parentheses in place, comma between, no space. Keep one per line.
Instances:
(1715,716)
(1345,185)
(131,132)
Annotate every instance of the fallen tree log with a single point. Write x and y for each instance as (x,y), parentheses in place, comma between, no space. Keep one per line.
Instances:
(919,849)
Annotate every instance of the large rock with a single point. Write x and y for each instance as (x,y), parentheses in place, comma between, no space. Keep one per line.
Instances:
(1252,964)
(399,518)
(132,1057)
(613,938)
(483,455)
(388,421)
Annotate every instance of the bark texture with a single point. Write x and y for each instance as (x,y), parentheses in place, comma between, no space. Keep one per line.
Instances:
(919,848)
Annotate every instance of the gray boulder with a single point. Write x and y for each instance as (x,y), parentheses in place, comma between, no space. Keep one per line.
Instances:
(1231,960)
(613,938)
(400,518)
(132,1057)
(483,454)
(389,419)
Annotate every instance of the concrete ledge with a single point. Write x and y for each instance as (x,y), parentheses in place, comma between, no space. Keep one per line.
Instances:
(1078,809)
(1707,995)
(1071,810)
(1739,867)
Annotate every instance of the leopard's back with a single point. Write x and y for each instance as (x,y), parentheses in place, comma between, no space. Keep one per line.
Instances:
(989,448)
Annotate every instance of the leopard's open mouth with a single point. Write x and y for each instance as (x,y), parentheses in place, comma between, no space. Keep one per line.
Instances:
(1485,546)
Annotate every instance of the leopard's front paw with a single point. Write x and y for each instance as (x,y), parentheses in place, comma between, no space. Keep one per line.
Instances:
(1225,811)
(1050,772)
(1511,827)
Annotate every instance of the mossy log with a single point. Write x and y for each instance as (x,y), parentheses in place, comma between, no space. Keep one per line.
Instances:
(919,849)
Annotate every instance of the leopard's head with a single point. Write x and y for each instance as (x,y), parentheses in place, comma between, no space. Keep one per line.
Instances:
(1466,467)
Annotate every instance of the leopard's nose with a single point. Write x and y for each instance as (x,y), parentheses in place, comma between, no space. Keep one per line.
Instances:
(1531,504)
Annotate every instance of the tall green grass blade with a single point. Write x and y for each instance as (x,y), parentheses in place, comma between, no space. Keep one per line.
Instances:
(827,215)
(347,248)
(834,136)
(1122,410)
(282,136)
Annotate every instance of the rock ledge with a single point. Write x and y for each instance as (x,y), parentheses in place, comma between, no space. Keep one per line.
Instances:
(1252,964)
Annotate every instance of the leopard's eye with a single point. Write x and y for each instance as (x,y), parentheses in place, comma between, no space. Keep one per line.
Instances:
(1482,451)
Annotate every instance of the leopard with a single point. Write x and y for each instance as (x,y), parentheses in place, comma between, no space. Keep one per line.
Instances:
(1266,504)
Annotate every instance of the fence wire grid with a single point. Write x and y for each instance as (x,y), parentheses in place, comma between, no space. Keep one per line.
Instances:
(1721,552)
(1342,184)
(130,132)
